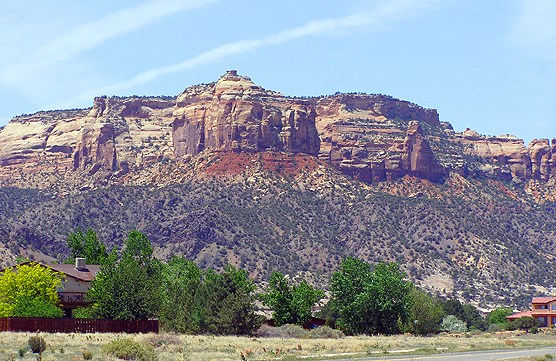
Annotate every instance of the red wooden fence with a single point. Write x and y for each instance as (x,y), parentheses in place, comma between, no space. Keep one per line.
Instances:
(78,325)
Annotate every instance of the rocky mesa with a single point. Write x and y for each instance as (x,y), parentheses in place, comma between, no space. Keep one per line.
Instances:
(370,138)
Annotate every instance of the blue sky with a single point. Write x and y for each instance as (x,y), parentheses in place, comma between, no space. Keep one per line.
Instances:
(486,65)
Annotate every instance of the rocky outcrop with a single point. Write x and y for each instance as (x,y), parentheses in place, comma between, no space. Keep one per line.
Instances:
(236,115)
(374,137)
(96,148)
(506,157)
(370,138)
(419,159)
(542,159)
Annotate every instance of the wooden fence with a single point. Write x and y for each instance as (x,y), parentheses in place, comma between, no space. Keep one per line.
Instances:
(78,325)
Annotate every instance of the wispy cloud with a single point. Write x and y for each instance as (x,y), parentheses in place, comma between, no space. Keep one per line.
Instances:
(92,34)
(386,12)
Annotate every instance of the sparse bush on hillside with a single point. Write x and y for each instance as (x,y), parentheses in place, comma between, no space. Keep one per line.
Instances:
(269,225)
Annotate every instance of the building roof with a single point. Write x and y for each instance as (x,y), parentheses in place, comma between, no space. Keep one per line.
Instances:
(69,270)
(519,315)
(543,300)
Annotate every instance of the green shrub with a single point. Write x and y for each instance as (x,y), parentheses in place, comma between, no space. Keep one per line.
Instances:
(325,332)
(129,349)
(523,323)
(284,331)
(499,315)
(83,312)
(32,307)
(451,323)
(87,355)
(496,327)
(37,344)
(295,331)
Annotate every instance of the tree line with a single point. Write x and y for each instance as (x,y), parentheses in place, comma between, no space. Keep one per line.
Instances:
(133,284)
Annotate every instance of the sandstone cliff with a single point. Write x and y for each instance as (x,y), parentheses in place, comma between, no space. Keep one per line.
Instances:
(368,137)
(236,115)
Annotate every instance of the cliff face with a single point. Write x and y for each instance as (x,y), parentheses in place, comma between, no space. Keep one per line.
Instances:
(368,137)
(236,115)
(373,138)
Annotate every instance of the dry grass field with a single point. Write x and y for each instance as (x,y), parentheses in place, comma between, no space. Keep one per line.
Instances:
(14,346)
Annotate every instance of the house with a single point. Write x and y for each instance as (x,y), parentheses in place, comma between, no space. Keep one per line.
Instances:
(76,283)
(542,308)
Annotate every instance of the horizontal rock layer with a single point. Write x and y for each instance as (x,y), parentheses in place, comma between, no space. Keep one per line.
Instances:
(368,137)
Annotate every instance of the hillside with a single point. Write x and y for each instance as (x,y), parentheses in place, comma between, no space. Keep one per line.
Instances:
(231,172)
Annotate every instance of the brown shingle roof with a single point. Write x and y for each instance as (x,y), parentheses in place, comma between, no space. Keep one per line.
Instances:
(70,270)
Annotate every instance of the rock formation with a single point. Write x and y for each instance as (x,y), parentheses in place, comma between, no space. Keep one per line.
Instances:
(236,115)
(368,137)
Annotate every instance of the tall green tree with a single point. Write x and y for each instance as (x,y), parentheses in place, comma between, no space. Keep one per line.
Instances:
(348,288)
(231,302)
(290,303)
(183,296)
(197,301)
(129,288)
(370,300)
(30,290)
(454,307)
(473,318)
(86,245)
(425,313)
(498,315)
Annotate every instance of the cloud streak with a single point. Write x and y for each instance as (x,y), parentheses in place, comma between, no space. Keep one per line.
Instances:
(385,12)
(94,33)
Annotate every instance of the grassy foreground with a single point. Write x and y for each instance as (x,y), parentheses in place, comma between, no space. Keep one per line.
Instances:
(185,347)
